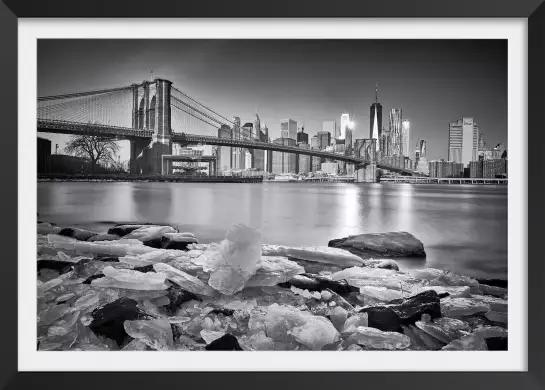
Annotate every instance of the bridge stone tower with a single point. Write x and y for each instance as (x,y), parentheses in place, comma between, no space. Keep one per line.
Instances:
(151,111)
(366,149)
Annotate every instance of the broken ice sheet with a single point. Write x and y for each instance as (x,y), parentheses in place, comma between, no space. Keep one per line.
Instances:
(273,270)
(459,307)
(319,254)
(157,333)
(377,339)
(130,279)
(444,329)
(210,335)
(184,280)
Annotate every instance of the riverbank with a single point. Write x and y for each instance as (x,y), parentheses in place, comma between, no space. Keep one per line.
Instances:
(149,287)
(147,178)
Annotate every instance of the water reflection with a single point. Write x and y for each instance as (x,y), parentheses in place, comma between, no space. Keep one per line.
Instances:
(463,228)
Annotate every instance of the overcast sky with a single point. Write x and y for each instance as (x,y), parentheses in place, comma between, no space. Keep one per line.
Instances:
(311,81)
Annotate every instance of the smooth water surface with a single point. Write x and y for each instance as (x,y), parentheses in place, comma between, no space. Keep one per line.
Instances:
(463,227)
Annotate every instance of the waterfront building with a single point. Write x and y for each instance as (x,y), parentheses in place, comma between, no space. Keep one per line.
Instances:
(302,136)
(345,123)
(476,169)
(330,168)
(421,162)
(284,162)
(375,129)
(324,139)
(304,160)
(442,168)
(288,129)
(224,154)
(405,134)
(332,128)
(463,140)
(395,146)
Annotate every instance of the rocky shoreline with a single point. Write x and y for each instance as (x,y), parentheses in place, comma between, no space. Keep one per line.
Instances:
(150,287)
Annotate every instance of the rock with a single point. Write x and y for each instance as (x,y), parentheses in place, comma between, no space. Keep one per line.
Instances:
(184,280)
(377,339)
(460,307)
(130,279)
(444,329)
(61,267)
(48,229)
(493,282)
(452,291)
(124,229)
(155,333)
(319,254)
(392,244)
(496,343)
(234,261)
(498,317)
(338,317)
(353,322)
(104,237)
(411,309)
(385,263)
(78,234)
(177,297)
(178,241)
(273,270)
(383,318)
(467,343)
(227,342)
(108,320)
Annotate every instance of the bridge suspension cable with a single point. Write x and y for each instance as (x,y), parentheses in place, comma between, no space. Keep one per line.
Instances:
(202,105)
(80,94)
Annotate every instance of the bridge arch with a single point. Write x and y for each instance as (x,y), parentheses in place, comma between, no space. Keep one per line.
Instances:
(141,113)
(152,113)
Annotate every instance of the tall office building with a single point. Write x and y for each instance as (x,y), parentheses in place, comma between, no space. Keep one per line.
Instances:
(257,127)
(463,141)
(304,159)
(302,136)
(332,128)
(395,132)
(384,149)
(375,129)
(348,145)
(405,132)
(315,142)
(288,129)
(224,153)
(284,162)
(324,139)
(422,147)
(248,131)
(345,123)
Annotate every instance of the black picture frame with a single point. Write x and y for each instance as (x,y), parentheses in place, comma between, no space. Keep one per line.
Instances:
(533,10)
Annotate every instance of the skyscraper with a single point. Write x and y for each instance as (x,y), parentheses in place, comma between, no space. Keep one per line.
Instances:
(288,129)
(395,132)
(257,126)
(331,127)
(324,139)
(348,146)
(463,141)
(284,162)
(345,123)
(405,132)
(302,136)
(315,142)
(375,129)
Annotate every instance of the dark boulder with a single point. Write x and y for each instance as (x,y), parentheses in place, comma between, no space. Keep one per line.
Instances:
(178,241)
(314,282)
(91,278)
(104,237)
(61,266)
(392,244)
(383,318)
(78,234)
(493,282)
(496,343)
(227,342)
(108,320)
(145,268)
(223,311)
(123,229)
(411,309)
(177,296)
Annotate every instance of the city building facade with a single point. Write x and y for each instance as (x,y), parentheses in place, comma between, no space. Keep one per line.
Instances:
(405,135)
(395,147)
(345,123)
(332,128)
(324,139)
(463,140)
(302,136)
(288,129)
(304,160)
(375,129)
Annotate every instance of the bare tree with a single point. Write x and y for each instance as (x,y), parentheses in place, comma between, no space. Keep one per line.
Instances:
(95,149)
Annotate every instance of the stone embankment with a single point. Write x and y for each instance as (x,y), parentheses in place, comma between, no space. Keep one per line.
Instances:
(151,287)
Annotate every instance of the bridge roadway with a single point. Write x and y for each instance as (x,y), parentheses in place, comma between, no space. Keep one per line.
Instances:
(96,129)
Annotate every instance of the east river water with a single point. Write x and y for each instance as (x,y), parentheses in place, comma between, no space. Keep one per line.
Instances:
(463,227)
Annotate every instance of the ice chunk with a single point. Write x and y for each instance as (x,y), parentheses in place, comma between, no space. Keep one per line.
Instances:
(130,279)
(362,277)
(487,332)
(135,345)
(495,316)
(444,329)
(338,316)
(185,281)
(257,342)
(157,334)
(382,263)
(106,248)
(326,295)
(320,254)
(496,304)
(87,302)
(355,321)
(148,233)
(210,335)
(380,293)
(377,339)
(470,342)
(495,291)
(273,270)
(149,258)
(305,293)
(53,313)
(439,277)
(233,262)
(459,307)
(42,288)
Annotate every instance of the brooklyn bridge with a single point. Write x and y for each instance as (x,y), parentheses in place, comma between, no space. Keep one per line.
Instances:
(153,115)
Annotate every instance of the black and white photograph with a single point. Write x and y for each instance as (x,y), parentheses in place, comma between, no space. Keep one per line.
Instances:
(272,195)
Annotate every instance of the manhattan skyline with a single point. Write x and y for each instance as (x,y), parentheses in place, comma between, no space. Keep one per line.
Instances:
(311,81)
